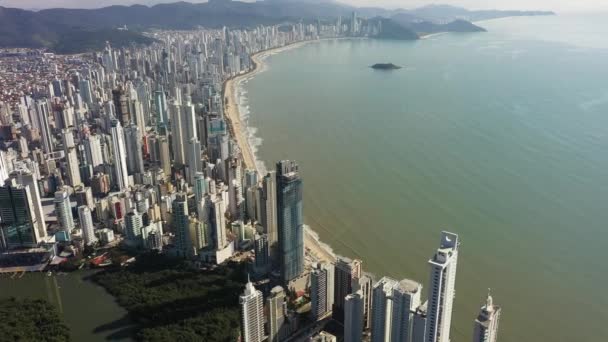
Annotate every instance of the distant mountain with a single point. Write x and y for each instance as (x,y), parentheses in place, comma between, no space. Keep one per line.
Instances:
(393,30)
(447,13)
(52,27)
(78,41)
(23,29)
(20,28)
(426,27)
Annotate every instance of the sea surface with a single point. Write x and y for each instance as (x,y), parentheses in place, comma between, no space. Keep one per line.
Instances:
(501,137)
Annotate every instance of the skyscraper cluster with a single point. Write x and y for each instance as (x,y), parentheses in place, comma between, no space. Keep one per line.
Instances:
(133,144)
(393,310)
(135,140)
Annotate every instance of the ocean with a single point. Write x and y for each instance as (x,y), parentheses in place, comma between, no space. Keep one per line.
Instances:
(500,137)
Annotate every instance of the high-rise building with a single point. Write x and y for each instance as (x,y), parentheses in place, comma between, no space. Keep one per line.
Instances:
(394,303)
(276,314)
(321,289)
(354,24)
(194,161)
(121,106)
(441,289)
(133,145)
(365,285)
(86,224)
(165,155)
(200,188)
(215,219)
(120,155)
(28,178)
(42,124)
(486,324)
(92,148)
(17,219)
(85,91)
(177,134)
(268,213)
(160,105)
(346,272)
(71,157)
(289,220)
(419,325)
(251,189)
(198,236)
(152,236)
(63,210)
(262,257)
(252,314)
(235,188)
(133,227)
(181,224)
(353,317)
(100,184)
(188,121)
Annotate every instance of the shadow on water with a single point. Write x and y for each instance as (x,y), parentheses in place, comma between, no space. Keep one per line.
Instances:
(121,329)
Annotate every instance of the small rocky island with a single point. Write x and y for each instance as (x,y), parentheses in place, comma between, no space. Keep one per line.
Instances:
(385,66)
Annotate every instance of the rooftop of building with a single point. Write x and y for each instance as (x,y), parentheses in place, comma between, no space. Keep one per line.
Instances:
(410,285)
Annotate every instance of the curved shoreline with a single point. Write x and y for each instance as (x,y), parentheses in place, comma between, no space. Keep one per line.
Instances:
(240,132)
(237,128)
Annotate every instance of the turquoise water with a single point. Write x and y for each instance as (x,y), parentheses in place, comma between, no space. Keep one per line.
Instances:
(501,137)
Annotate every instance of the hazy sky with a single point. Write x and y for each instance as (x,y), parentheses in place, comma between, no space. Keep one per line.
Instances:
(556,5)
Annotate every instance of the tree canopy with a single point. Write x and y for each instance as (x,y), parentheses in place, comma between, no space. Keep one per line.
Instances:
(172,301)
(31,320)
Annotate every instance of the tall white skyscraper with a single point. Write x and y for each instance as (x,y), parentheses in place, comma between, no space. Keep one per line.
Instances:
(86,223)
(441,289)
(188,121)
(365,284)
(177,134)
(63,210)
(276,314)
(252,314)
(486,324)
(268,213)
(71,157)
(235,202)
(120,155)
(92,149)
(393,305)
(42,123)
(215,219)
(321,289)
(353,317)
(133,227)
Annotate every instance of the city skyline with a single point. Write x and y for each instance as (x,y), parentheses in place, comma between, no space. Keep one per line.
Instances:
(142,147)
(555,5)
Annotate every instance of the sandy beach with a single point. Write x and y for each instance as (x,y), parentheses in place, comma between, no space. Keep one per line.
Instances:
(233,119)
(238,130)
(236,126)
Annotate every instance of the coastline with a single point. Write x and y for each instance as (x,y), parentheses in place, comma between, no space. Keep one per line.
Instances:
(239,130)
